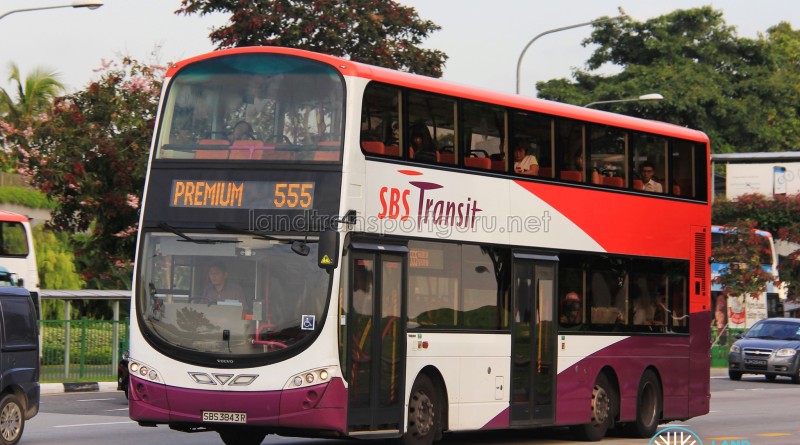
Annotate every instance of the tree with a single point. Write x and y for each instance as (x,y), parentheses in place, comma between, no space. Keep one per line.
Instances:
(741,92)
(56,264)
(89,154)
(33,96)
(378,32)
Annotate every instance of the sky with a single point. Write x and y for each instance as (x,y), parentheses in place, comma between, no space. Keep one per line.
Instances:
(483,38)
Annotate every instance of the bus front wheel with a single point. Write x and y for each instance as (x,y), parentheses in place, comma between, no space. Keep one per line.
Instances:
(424,413)
(603,407)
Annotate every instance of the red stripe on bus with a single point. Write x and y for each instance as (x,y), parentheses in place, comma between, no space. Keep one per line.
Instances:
(626,224)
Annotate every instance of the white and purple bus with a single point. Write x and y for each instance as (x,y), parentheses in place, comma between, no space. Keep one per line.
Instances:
(376,257)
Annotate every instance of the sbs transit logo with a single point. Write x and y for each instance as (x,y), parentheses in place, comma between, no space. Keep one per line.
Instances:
(432,206)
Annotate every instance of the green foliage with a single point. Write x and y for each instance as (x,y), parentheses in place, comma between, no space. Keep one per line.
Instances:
(742,92)
(33,94)
(89,155)
(25,197)
(379,32)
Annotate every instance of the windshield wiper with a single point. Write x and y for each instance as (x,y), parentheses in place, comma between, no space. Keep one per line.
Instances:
(187,238)
(298,247)
(253,233)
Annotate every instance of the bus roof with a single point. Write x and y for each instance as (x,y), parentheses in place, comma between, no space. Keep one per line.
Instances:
(12,217)
(430,84)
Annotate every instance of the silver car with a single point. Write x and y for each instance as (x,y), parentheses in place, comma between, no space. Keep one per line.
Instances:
(770,348)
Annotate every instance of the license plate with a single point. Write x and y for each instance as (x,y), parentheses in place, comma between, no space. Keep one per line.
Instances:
(224,417)
(751,361)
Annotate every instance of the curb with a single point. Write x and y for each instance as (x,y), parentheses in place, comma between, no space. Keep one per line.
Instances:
(58,388)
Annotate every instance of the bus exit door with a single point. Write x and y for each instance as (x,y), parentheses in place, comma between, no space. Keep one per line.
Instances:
(533,340)
(375,343)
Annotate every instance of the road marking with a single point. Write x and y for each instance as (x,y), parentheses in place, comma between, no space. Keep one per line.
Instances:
(118,409)
(93,424)
(774,434)
(94,400)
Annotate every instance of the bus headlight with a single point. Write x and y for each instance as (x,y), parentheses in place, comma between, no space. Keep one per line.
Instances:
(136,368)
(308,378)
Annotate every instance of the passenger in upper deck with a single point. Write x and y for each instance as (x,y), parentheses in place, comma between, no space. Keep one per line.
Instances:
(524,162)
(242,131)
(421,145)
(647,170)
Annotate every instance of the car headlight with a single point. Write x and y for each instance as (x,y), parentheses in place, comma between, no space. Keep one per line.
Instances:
(736,348)
(786,352)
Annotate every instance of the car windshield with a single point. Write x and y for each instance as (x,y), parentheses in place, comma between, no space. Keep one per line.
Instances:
(775,330)
(229,294)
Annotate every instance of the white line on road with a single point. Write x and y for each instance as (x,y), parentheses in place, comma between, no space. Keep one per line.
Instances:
(92,424)
(94,400)
(118,409)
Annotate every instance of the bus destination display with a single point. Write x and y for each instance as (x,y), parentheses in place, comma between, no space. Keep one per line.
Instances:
(242,194)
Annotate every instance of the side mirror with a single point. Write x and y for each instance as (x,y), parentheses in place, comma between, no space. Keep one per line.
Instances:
(328,249)
(20,282)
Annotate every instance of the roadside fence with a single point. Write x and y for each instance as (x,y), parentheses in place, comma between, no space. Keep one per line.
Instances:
(82,350)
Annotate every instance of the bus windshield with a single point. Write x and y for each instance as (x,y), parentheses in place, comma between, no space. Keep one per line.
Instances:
(229,294)
(266,107)
(13,239)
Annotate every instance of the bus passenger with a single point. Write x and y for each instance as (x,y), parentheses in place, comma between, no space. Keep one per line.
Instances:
(524,163)
(647,169)
(422,147)
(570,310)
(242,131)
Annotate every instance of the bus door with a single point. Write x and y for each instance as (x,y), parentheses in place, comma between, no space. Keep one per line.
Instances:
(533,364)
(376,358)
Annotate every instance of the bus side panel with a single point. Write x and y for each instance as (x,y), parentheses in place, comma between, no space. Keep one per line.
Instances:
(582,357)
(471,366)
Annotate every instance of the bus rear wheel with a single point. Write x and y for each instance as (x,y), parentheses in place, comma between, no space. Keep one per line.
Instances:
(238,436)
(424,413)
(604,402)
(648,407)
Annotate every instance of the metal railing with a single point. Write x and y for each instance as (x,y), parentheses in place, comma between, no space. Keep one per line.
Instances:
(82,350)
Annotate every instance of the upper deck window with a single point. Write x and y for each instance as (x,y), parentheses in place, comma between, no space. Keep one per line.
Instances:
(243,107)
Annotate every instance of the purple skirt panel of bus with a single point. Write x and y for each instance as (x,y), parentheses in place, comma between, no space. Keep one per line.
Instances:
(319,407)
(683,371)
(684,379)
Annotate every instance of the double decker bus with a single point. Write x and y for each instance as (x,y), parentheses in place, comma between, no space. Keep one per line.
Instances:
(370,262)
